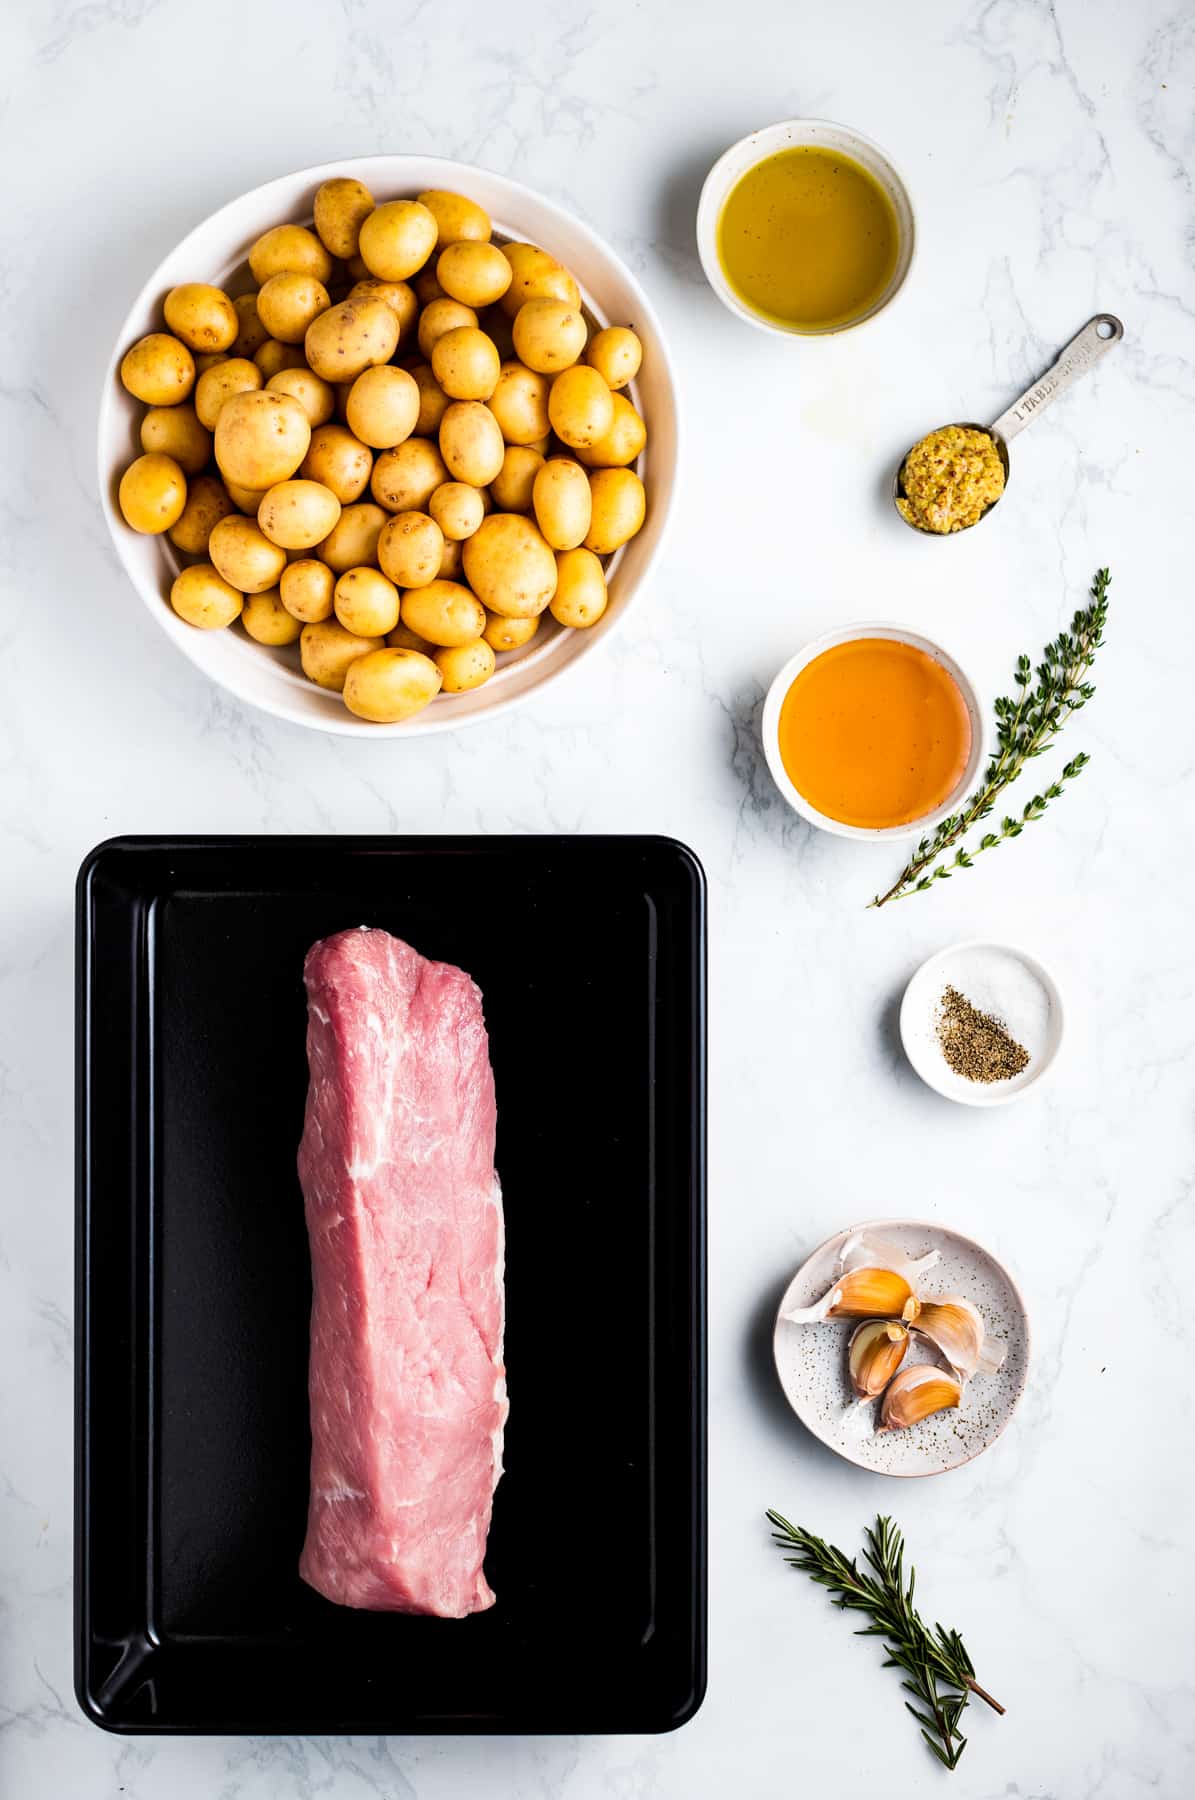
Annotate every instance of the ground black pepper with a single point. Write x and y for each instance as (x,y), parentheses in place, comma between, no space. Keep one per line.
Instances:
(976,1045)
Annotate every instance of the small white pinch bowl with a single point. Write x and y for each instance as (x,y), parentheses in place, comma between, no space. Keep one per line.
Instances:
(215,251)
(734,163)
(918,1020)
(811,1359)
(770,731)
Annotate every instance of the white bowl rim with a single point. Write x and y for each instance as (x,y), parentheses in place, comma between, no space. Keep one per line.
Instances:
(439,716)
(770,728)
(878,1226)
(716,187)
(978,1095)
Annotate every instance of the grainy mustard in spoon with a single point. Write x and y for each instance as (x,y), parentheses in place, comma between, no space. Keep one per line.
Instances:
(952,478)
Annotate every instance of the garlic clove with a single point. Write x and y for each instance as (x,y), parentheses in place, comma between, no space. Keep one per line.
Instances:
(875,1280)
(875,1352)
(956,1330)
(914,1393)
(861,1294)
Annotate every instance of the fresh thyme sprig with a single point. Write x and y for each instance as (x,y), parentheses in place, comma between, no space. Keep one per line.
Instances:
(941,1676)
(1024,727)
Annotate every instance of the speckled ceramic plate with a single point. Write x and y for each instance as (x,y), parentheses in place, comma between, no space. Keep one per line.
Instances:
(811,1359)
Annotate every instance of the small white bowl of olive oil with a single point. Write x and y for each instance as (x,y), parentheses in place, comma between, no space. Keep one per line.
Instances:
(805,229)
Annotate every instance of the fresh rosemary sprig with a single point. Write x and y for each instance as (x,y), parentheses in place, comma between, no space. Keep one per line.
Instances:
(941,1676)
(1024,728)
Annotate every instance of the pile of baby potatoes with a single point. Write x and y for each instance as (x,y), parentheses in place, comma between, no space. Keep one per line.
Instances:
(401,448)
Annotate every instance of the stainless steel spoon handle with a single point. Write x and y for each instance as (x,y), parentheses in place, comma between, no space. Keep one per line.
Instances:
(1096,338)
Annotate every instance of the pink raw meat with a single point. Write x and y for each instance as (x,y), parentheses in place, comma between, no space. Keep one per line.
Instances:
(404,1213)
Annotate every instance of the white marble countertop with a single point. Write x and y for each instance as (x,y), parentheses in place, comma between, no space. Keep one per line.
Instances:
(1049,148)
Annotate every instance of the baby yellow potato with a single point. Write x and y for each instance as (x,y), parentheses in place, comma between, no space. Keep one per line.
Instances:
(471,443)
(245,499)
(251,333)
(500,330)
(452,563)
(202,597)
(457,508)
(306,589)
(202,316)
(153,492)
(403,638)
(288,303)
(465,666)
(520,404)
(427,287)
(399,296)
(458,219)
(549,335)
(236,375)
(208,501)
(261,437)
(619,506)
(397,239)
(509,634)
(390,684)
(159,369)
(513,486)
(580,597)
(298,514)
(444,612)
(410,549)
(466,364)
(244,554)
(286,250)
(536,276)
(478,274)
(616,354)
(382,406)
(439,317)
(405,478)
(267,620)
(273,356)
(207,359)
(342,206)
(353,540)
(622,443)
(510,566)
(350,337)
(562,502)
(327,652)
(581,407)
(366,601)
(433,401)
(339,460)
(175,431)
(316,396)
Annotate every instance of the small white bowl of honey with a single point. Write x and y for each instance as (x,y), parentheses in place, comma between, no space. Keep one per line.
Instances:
(805,228)
(873,732)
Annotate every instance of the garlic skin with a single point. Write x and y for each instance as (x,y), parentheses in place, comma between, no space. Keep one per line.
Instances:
(874,1354)
(875,1280)
(914,1394)
(957,1332)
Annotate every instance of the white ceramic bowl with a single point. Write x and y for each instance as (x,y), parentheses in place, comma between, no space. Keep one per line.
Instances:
(770,730)
(811,1359)
(1016,987)
(216,251)
(790,133)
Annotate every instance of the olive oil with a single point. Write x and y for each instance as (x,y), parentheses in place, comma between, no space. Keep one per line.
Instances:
(808,239)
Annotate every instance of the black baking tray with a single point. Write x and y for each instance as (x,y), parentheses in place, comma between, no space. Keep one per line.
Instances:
(194,1289)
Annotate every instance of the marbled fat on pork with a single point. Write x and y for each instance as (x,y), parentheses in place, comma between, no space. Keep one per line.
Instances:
(404,1213)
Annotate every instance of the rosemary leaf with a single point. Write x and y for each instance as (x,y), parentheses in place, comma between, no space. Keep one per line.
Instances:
(939,1673)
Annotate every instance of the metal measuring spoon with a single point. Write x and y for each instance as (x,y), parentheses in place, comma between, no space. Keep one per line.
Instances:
(1097,337)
